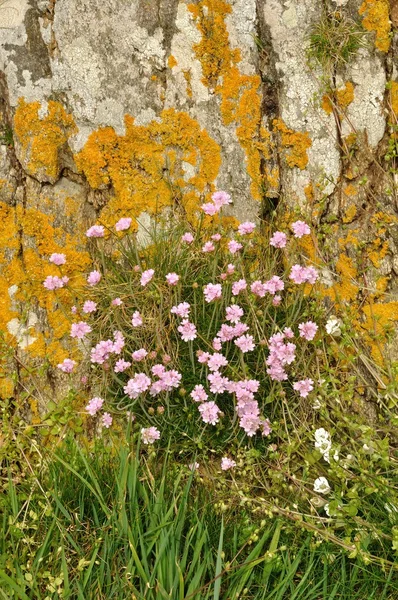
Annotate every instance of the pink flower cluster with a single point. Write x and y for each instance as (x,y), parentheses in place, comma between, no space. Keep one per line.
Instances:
(146,277)
(96,231)
(281,353)
(57,259)
(273,285)
(246,228)
(54,282)
(67,365)
(219,199)
(102,351)
(299,274)
(212,291)
(187,331)
(149,435)
(94,277)
(95,406)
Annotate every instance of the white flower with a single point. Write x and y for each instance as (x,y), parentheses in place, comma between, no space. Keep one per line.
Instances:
(317,404)
(321,486)
(322,441)
(333,326)
(326,509)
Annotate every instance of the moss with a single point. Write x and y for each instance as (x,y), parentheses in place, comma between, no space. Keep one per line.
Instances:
(41,139)
(146,166)
(376,18)
(294,143)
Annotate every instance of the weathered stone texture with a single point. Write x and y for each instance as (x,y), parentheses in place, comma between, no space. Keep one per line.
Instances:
(236,74)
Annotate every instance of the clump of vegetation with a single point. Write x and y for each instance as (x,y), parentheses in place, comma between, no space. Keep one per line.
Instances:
(334,41)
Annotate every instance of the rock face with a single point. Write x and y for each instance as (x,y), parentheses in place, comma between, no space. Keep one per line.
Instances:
(281,102)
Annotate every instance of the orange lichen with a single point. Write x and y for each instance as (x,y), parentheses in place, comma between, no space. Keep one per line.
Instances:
(350,190)
(146,165)
(41,139)
(380,317)
(295,143)
(171,62)
(347,288)
(394,99)
(350,214)
(27,238)
(309,193)
(376,18)
(339,98)
(378,252)
(6,387)
(345,95)
(240,97)
(351,238)
(188,79)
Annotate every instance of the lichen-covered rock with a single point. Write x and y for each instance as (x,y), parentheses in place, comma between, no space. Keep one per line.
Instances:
(112,109)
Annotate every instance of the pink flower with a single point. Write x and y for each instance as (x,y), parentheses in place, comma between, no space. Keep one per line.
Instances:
(118,344)
(199,394)
(94,277)
(238,287)
(136,321)
(54,283)
(121,365)
(246,228)
(57,259)
(67,365)
(216,343)
(101,352)
(158,370)
(137,385)
(308,330)
(209,412)
(89,306)
(227,463)
(299,274)
(94,406)
(300,228)
(208,247)
(245,343)
(275,284)
(217,383)
(288,333)
(304,387)
(276,300)
(117,302)
(203,357)
(258,288)
(209,209)
(212,291)
(278,240)
(146,277)
(181,310)
(230,268)
(311,275)
(187,238)
(79,330)
(187,330)
(73,310)
(221,199)
(123,224)
(216,361)
(234,246)
(106,420)
(216,237)
(139,355)
(150,434)
(95,231)
(265,426)
(172,278)
(234,313)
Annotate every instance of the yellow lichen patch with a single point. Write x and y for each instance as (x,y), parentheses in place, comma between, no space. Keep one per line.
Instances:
(41,139)
(394,99)
(351,238)
(148,166)
(171,62)
(327,104)
(187,77)
(380,317)
(32,236)
(240,97)
(6,387)
(376,18)
(345,95)
(347,288)
(378,251)
(350,214)
(295,144)
(309,193)
(350,190)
